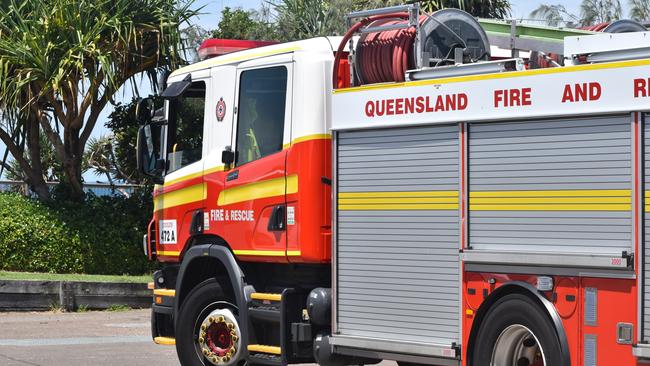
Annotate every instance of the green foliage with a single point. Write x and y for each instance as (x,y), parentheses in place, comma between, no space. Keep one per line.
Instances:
(599,11)
(498,9)
(122,154)
(118,308)
(63,61)
(640,10)
(245,24)
(101,236)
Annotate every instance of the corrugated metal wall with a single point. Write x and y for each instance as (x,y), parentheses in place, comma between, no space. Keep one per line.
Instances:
(559,185)
(398,267)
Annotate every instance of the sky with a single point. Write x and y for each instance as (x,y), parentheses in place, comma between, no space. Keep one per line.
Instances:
(211,14)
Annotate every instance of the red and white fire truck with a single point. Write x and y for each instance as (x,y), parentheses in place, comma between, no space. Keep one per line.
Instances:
(430,189)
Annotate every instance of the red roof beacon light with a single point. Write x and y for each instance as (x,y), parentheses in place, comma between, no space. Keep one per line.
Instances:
(216,47)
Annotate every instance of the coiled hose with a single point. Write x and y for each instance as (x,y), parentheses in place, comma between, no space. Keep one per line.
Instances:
(382,56)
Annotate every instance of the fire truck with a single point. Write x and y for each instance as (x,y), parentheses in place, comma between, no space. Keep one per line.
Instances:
(428,188)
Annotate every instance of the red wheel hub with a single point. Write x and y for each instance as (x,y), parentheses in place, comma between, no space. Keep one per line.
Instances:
(219,339)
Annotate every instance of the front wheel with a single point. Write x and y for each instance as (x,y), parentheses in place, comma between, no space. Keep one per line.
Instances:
(207,331)
(517,332)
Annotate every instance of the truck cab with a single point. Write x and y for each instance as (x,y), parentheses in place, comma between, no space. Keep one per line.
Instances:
(244,156)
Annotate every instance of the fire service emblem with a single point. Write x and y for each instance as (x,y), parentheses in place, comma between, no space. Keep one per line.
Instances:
(221,109)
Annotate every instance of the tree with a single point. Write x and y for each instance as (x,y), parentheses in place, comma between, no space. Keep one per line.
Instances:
(246,24)
(599,11)
(639,10)
(555,15)
(591,12)
(299,19)
(479,8)
(61,62)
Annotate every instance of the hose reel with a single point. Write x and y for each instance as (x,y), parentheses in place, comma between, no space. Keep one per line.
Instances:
(397,39)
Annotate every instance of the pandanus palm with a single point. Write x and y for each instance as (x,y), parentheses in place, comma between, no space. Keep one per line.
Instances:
(62,61)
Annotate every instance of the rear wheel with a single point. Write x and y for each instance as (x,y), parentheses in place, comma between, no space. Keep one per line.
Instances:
(207,331)
(517,332)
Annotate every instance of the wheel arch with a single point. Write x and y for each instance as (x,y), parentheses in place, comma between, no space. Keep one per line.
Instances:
(204,261)
(523,288)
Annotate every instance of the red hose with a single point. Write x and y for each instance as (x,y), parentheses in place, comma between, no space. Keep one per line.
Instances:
(373,62)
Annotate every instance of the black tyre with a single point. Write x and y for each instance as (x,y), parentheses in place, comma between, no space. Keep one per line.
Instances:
(516,331)
(207,332)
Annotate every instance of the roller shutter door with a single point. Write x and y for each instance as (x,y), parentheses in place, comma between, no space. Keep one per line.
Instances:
(560,186)
(397,230)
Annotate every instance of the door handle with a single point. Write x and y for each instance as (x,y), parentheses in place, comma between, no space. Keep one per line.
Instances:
(278,219)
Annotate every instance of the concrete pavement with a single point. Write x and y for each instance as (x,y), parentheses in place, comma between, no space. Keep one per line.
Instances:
(83,339)
(80,339)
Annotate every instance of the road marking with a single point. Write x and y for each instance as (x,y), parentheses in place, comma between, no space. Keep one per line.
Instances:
(73,341)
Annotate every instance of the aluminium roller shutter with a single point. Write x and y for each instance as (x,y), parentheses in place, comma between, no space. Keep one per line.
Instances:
(560,186)
(397,251)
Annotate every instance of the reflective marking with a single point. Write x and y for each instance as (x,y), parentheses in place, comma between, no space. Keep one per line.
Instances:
(503,75)
(164,292)
(552,200)
(420,200)
(262,189)
(182,196)
(264,349)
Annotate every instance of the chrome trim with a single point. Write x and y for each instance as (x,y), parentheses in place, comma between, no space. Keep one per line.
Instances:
(545,259)
(380,355)
(641,350)
(639,253)
(549,271)
(383,345)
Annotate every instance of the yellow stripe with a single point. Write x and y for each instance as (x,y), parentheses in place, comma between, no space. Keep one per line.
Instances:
(263,296)
(164,292)
(194,175)
(504,75)
(269,253)
(397,200)
(193,193)
(168,253)
(236,57)
(398,194)
(554,193)
(395,207)
(262,189)
(551,207)
(552,200)
(420,200)
(317,136)
(264,349)
(165,341)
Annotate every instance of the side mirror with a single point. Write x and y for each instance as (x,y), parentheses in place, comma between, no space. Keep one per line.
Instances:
(228,156)
(144,110)
(147,152)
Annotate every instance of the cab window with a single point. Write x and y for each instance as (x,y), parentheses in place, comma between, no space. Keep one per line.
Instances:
(185,129)
(260,123)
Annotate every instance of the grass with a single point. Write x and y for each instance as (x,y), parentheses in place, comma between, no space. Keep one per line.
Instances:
(26,276)
(118,308)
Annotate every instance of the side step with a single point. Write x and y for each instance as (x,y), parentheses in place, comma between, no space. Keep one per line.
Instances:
(165,341)
(266,355)
(274,317)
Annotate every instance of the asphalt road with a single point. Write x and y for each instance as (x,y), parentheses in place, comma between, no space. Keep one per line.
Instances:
(83,339)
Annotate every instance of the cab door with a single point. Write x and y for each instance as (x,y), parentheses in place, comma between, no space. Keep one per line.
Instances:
(253,203)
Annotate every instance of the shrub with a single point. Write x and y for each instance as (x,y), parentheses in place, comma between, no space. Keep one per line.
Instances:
(103,235)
